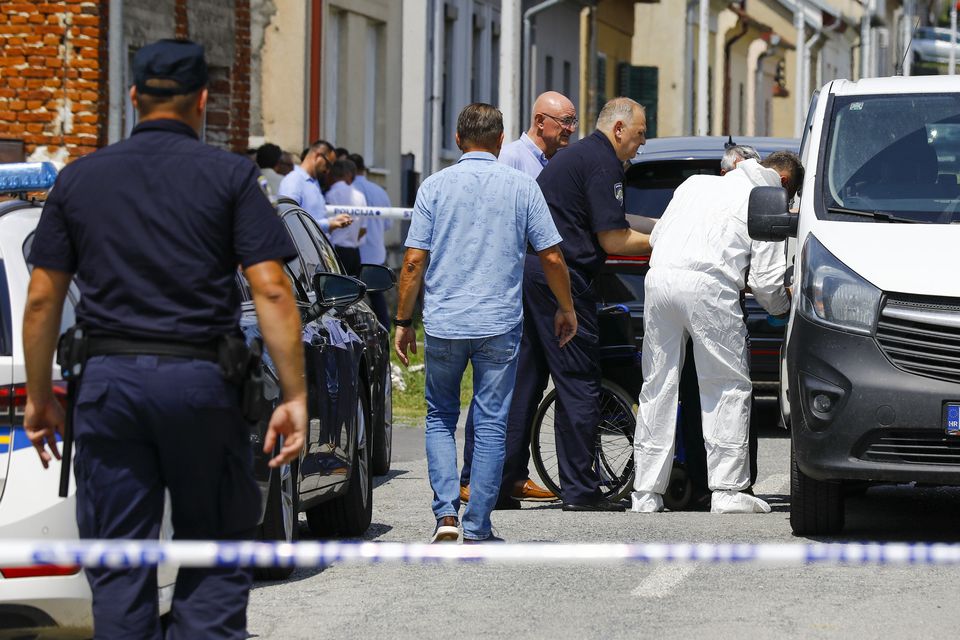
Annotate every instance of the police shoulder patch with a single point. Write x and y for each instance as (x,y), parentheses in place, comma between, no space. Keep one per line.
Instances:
(618,192)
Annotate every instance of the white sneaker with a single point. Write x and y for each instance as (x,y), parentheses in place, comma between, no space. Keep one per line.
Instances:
(737,502)
(646,502)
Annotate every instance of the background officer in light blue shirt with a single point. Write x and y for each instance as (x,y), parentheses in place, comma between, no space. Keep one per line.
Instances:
(303,185)
(472,223)
(553,121)
(373,249)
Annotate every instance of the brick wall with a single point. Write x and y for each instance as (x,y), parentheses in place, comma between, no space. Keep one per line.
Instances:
(52,75)
(53,68)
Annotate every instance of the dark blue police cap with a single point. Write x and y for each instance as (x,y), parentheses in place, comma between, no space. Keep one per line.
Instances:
(181,61)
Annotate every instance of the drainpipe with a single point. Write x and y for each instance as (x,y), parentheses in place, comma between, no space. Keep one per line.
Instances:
(866,44)
(726,76)
(815,41)
(528,47)
(759,92)
(116,60)
(798,105)
(436,105)
(688,125)
(702,63)
(509,89)
(907,36)
(953,38)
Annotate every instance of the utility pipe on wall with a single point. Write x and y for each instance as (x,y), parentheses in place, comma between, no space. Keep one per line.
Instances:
(866,48)
(528,78)
(436,105)
(117,59)
(799,100)
(702,70)
(689,124)
(953,39)
(509,89)
(907,37)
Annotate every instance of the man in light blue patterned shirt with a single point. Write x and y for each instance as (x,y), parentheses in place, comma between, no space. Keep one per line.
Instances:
(472,223)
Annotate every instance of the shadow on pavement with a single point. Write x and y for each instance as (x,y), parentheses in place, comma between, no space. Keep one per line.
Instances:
(393,473)
(901,513)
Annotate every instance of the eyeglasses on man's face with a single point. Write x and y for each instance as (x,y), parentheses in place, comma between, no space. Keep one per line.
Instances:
(570,122)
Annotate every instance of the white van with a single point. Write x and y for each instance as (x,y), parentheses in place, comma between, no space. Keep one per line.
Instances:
(870,376)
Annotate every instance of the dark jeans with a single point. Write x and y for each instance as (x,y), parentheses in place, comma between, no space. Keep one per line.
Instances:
(145,423)
(576,375)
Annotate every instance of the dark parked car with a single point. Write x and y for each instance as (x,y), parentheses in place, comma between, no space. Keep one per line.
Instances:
(349,406)
(659,168)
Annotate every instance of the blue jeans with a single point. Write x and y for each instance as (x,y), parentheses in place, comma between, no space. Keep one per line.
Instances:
(494,361)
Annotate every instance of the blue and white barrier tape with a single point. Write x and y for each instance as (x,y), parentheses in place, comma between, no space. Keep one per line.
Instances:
(119,554)
(390,213)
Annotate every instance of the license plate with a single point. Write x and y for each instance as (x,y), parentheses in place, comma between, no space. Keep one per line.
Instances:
(951,419)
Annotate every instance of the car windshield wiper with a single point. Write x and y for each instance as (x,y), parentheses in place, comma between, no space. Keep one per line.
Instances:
(878,215)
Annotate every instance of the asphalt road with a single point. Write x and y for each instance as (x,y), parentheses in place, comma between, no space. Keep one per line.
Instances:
(630,600)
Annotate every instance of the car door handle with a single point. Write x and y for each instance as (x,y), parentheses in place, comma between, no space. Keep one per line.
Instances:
(318,341)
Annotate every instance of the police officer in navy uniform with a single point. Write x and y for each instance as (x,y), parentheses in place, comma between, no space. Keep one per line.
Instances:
(583,186)
(153,229)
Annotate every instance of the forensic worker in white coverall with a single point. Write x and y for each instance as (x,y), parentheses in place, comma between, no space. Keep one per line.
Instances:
(702,255)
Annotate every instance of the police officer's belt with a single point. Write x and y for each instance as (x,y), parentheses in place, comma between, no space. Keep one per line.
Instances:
(136,347)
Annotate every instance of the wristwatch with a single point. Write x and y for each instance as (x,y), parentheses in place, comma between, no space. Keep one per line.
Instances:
(397,322)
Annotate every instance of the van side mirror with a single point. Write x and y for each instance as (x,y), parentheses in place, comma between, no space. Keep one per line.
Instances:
(767,215)
(377,277)
(334,290)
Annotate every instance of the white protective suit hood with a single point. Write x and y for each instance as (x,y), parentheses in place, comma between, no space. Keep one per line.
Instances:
(704,229)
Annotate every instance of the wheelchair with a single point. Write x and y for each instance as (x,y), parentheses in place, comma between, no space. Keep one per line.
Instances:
(619,390)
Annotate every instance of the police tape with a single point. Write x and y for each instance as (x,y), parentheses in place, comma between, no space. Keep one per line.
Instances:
(137,553)
(389,213)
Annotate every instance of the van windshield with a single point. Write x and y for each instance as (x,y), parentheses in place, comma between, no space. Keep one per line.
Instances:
(894,155)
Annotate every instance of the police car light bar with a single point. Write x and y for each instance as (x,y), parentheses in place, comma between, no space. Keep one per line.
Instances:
(27,176)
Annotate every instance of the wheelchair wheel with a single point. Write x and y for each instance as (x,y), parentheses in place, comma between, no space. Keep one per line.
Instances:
(613,451)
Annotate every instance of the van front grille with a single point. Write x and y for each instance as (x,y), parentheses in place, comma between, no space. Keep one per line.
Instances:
(922,337)
(911,446)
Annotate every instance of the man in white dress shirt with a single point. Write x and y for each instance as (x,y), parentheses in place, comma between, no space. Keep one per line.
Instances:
(303,185)
(346,240)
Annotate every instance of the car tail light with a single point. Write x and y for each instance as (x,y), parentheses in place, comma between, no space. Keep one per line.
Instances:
(39,571)
(13,401)
(628,259)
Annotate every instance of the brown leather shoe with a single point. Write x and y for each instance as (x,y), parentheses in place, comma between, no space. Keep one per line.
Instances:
(448,530)
(464,493)
(532,492)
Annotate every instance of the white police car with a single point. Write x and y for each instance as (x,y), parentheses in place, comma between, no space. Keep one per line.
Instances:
(42,596)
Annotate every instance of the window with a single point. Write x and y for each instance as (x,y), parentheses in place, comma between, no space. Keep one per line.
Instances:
(896,154)
(447,110)
(650,185)
(305,246)
(477,61)
(494,62)
(328,256)
(331,70)
(567,79)
(374,78)
(548,73)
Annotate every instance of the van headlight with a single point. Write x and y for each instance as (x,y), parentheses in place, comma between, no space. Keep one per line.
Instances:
(833,294)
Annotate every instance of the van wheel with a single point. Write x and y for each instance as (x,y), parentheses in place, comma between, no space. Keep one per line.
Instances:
(816,506)
(350,514)
(280,522)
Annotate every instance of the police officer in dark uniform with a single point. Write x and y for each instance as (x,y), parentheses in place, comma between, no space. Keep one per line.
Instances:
(153,228)
(583,186)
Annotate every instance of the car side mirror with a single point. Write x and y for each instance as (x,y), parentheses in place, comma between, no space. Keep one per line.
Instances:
(334,290)
(768,217)
(377,277)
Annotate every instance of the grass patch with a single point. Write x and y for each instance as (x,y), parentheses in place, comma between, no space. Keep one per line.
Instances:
(410,404)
